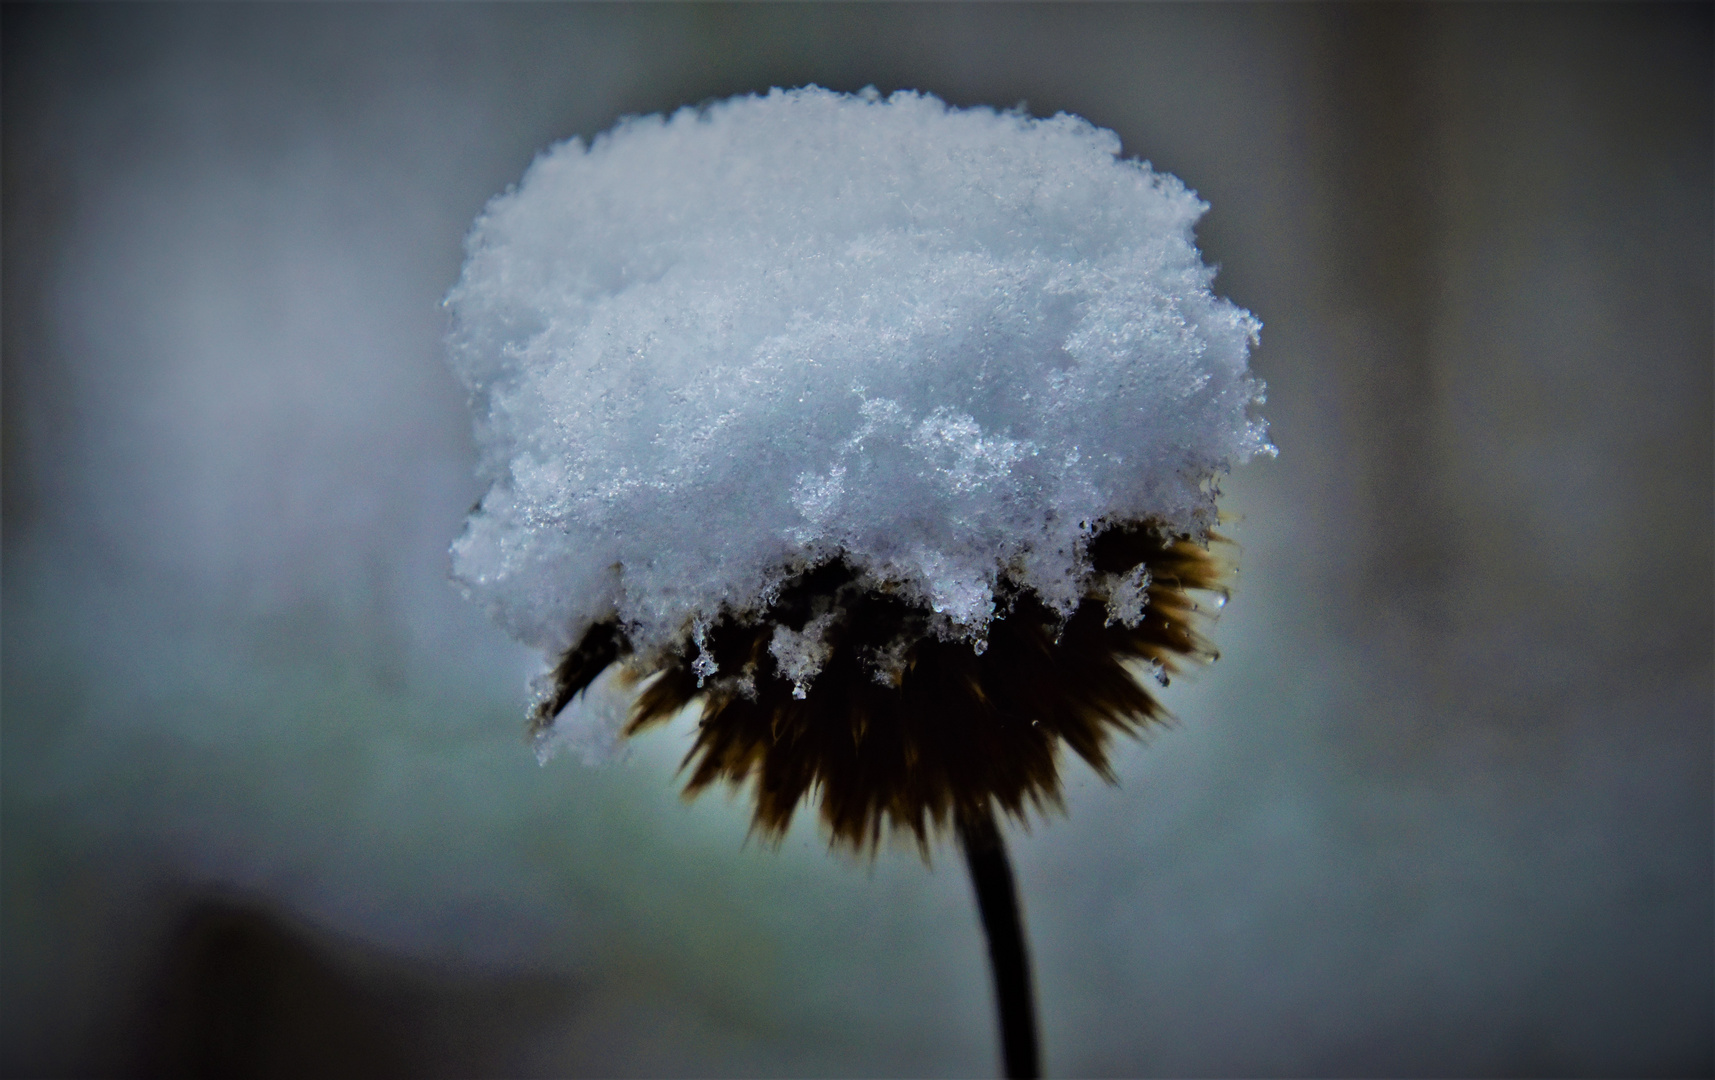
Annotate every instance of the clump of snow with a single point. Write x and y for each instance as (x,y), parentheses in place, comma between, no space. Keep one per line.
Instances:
(1128,595)
(708,350)
(592,725)
(800,654)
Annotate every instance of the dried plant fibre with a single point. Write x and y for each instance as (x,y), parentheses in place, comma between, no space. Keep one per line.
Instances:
(946,730)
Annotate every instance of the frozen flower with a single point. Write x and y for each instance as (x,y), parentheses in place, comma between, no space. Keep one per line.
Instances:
(885,430)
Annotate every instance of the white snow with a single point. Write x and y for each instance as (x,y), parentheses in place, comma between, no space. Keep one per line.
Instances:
(709,349)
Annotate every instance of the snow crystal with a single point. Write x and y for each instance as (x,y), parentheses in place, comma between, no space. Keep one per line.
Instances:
(1128,595)
(800,654)
(709,350)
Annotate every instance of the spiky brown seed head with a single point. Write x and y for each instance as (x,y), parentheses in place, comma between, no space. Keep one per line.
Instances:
(902,728)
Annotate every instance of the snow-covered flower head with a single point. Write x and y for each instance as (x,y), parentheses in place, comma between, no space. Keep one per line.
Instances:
(945,350)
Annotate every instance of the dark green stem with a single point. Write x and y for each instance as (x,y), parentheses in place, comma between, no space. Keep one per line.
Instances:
(997,900)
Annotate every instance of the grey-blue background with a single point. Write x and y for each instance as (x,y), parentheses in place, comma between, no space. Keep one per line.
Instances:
(1444,806)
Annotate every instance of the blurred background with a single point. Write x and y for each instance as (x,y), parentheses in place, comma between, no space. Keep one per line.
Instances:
(1443,807)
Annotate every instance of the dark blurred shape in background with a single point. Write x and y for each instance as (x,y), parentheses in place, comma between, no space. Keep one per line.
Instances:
(1443,808)
(241,991)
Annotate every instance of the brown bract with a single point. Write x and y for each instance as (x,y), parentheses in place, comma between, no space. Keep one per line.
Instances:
(901,727)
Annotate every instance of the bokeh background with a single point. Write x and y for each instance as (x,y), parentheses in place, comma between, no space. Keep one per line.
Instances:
(1443,808)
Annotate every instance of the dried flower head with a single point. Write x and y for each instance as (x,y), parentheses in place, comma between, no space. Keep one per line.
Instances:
(884,430)
(902,728)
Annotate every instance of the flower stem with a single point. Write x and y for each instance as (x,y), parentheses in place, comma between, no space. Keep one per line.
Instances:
(997,900)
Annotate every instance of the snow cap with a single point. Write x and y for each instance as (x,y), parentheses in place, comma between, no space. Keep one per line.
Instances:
(707,350)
